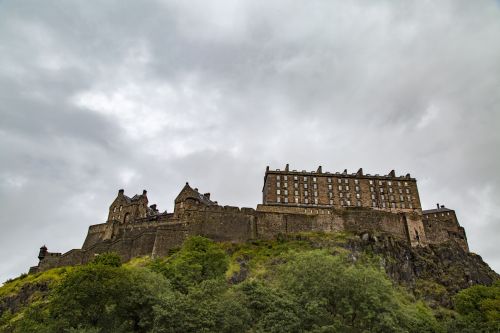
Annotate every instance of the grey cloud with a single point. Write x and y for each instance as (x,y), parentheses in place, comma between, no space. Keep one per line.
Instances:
(153,94)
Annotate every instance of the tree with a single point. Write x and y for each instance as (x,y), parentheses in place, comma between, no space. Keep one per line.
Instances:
(198,260)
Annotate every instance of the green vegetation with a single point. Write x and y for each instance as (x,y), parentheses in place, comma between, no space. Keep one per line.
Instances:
(264,286)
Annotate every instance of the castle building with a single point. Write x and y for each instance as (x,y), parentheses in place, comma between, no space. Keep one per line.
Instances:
(325,189)
(293,202)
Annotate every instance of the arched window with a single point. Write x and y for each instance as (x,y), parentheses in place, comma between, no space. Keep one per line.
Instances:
(126,218)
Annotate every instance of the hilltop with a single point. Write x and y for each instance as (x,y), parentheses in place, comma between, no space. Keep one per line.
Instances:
(304,282)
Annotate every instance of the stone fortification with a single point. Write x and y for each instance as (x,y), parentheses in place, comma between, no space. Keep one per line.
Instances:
(135,229)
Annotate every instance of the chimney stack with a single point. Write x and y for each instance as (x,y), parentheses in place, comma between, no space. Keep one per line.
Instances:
(144,192)
(207,195)
(286,167)
(196,189)
(320,169)
(121,191)
(153,207)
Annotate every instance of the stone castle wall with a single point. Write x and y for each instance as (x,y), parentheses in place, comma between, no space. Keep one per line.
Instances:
(233,224)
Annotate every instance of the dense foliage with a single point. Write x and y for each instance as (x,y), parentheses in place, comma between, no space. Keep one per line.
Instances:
(281,287)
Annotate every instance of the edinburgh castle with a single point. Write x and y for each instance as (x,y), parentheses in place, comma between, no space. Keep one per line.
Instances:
(293,202)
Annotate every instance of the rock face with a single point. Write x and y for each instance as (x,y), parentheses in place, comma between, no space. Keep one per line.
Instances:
(435,272)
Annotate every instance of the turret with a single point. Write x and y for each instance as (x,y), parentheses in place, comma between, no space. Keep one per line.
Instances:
(42,253)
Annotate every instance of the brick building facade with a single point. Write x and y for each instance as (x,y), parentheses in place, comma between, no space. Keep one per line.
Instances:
(324,189)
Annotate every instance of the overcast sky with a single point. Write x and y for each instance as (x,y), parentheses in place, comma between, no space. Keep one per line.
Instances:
(151,94)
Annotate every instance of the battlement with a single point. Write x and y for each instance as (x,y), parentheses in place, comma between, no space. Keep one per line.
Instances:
(293,201)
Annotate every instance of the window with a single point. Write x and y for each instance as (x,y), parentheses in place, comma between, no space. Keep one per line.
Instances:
(346,181)
(296,192)
(371,182)
(381,190)
(357,188)
(278,177)
(305,193)
(285,184)
(358,195)
(315,201)
(331,202)
(399,183)
(330,194)
(286,200)
(382,197)
(389,183)
(305,178)
(400,191)
(340,187)
(341,194)
(347,187)
(278,184)
(373,196)
(114,210)
(348,202)
(358,203)
(315,193)
(285,177)
(306,200)
(295,178)
(348,195)
(374,204)
(401,198)
(406,183)
(392,197)
(390,189)
(339,180)
(448,213)
(330,186)
(296,185)
(372,189)
(121,207)
(305,185)
(286,192)
(314,179)
(296,200)
(409,197)
(278,192)
(407,191)
(356,181)
(380,182)
(278,199)
(410,205)
(393,205)
(383,204)
(315,186)
(329,180)
(402,205)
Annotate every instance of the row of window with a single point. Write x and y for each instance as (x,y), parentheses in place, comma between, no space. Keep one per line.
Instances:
(339,180)
(372,189)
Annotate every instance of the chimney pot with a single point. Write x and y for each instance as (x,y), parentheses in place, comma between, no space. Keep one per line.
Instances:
(144,192)
(437,206)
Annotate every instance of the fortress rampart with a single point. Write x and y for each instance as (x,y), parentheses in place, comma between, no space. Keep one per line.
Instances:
(135,229)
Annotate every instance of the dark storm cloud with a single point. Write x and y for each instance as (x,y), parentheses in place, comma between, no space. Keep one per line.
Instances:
(153,94)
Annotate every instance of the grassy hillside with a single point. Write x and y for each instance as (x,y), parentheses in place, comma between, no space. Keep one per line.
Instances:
(303,283)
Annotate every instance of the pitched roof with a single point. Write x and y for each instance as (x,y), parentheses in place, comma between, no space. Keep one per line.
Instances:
(188,192)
